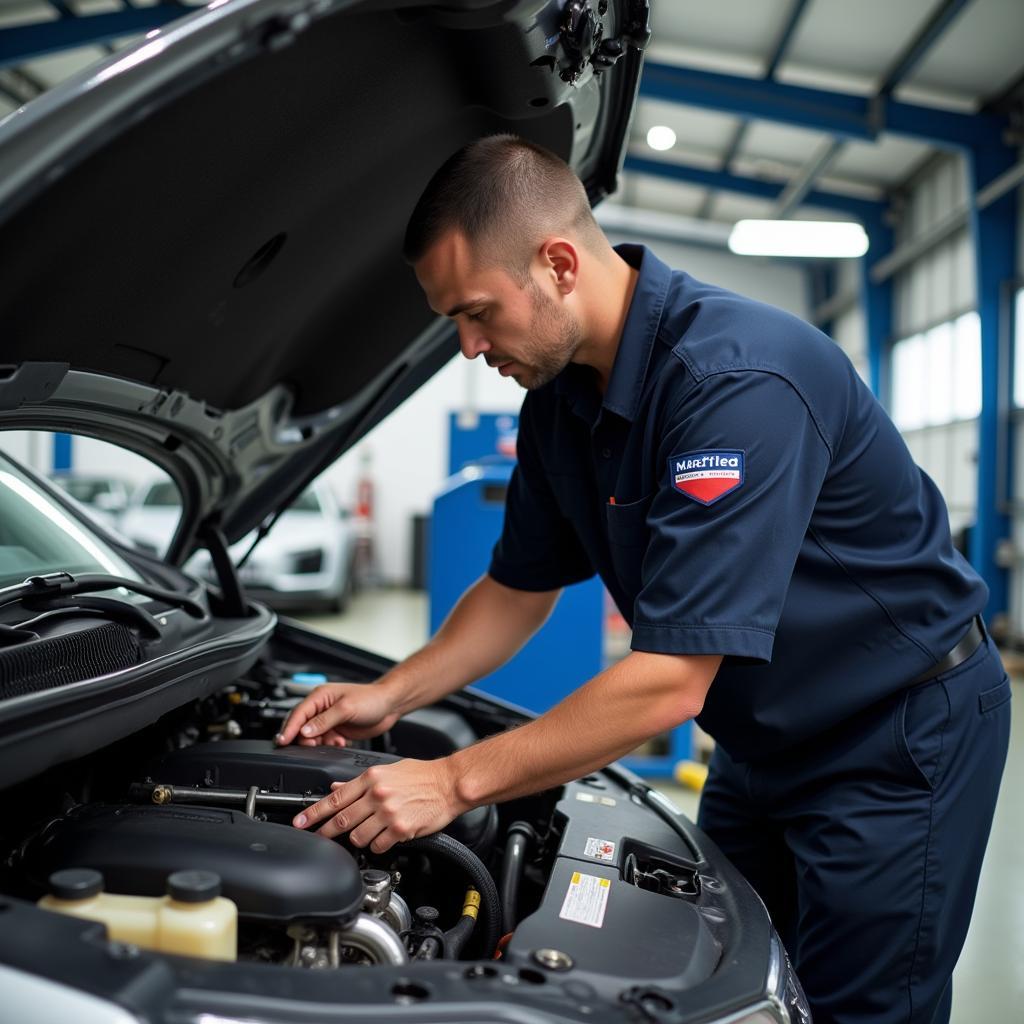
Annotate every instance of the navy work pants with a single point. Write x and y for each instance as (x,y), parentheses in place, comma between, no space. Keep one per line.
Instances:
(866,845)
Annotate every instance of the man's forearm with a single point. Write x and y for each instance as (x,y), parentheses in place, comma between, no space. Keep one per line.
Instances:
(640,697)
(488,626)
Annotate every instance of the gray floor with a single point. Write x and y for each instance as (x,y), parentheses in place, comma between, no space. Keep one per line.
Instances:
(989,979)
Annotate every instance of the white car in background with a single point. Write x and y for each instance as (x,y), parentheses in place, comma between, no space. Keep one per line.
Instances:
(105,497)
(304,562)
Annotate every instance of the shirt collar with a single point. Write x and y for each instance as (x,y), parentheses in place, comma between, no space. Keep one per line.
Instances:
(629,371)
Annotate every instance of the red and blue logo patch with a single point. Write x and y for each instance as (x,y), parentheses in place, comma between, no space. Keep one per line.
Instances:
(707,475)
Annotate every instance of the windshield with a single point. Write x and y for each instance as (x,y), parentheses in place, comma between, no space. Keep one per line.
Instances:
(38,536)
(307,501)
(162,495)
(84,489)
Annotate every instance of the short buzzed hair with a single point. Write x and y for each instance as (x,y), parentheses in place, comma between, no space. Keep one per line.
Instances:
(505,195)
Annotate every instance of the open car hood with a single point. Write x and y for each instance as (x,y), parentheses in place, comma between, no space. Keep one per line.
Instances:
(201,236)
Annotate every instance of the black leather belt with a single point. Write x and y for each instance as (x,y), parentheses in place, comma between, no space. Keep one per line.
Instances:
(968,644)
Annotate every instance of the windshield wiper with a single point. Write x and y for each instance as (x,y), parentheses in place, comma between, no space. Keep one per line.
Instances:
(54,585)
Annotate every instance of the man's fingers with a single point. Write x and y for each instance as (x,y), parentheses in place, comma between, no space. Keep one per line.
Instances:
(341,796)
(300,714)
(384,841)
(327,719)
(368,831)
(349,817)
(328,739)
(322,709)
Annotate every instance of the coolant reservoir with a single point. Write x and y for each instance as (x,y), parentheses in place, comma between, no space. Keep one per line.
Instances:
(79,892)
(193,919)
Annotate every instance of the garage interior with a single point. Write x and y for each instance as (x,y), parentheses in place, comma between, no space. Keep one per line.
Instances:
(905,118)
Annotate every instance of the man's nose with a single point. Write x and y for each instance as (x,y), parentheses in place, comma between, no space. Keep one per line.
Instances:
(472,341)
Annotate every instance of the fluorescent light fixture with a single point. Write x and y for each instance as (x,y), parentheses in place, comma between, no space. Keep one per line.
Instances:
(829,239)
(661,137)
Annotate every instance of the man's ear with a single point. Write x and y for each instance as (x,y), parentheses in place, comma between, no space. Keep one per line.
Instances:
(560,259)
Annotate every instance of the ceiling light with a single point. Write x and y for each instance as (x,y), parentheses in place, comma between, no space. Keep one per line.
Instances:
(661,137)
(829,239)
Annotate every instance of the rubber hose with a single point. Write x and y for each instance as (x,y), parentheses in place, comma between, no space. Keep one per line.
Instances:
(458,935)
(454,851)
(519,836)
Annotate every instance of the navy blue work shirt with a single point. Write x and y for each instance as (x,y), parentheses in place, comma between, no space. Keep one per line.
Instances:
(740,492)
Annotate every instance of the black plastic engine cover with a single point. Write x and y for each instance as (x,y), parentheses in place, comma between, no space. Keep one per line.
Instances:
(274,872)
(239,764)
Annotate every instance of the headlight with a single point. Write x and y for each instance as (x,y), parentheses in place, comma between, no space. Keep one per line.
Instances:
(784,1003)
(308,561)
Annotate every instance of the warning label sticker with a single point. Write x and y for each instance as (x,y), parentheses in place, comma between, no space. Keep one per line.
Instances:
(586,900)
(602,849)
(589,798)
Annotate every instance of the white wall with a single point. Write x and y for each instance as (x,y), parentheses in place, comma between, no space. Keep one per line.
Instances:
(408,455)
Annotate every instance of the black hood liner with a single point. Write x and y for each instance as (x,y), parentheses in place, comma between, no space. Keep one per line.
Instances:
(247,232)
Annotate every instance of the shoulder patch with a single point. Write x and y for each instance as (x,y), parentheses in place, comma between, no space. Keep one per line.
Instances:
(708,474)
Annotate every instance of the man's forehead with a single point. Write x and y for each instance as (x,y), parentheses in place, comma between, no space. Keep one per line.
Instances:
(452,277)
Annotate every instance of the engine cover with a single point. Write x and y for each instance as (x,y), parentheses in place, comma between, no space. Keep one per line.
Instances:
(239,764)
(274,872)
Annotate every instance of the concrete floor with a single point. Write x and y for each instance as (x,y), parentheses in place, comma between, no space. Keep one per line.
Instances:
(988,984)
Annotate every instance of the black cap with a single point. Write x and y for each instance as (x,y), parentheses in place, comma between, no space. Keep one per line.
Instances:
(193,886)
(76,883)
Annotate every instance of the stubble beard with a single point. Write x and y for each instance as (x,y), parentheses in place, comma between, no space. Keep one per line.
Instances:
(555,337)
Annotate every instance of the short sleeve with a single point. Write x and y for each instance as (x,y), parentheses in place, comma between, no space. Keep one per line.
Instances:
(538,548)
(741,464)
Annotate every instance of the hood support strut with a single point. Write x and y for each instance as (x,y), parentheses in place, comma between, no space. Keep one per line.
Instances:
(235,602)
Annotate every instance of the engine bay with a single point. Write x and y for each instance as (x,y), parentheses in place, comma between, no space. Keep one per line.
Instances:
(541,883)
(206,788)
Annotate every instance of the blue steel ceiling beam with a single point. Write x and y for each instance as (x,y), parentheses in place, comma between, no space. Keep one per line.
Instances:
(908,59)
(789,28)
(877,294)
(26,42)
(848,116)
(726,162)
(877,297)
(866,210)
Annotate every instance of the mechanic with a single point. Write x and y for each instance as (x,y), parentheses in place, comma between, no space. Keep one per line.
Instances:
(786,569)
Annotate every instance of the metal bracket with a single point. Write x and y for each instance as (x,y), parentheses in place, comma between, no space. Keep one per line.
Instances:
(29,383)
(581,35)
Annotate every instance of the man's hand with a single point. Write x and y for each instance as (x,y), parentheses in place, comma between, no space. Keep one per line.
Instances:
(335,712)
(388,804)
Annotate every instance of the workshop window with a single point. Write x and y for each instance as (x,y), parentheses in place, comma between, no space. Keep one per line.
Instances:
(936,375)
